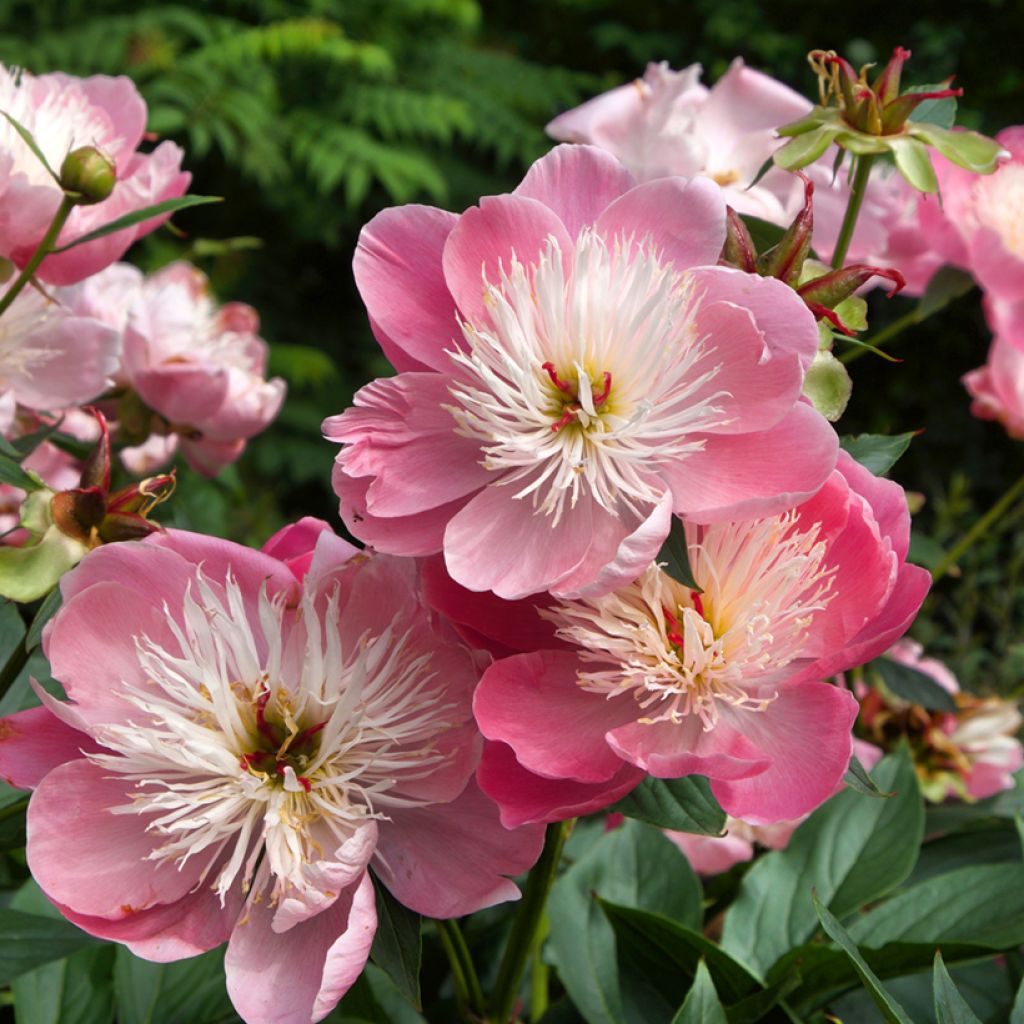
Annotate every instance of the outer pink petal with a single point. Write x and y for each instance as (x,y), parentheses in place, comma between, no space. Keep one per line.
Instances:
(400,433)
(887,499)
(711,855)
(153,574)
(485,240)
(526,797)
(91,860)
(1000,272)
(806,732)
(447,860)
(34,742)
(295,543)
(126,109)
(534,703)
(743,476)
(398,271)
(183,392)
(577,182)
(684,220)
(298,977)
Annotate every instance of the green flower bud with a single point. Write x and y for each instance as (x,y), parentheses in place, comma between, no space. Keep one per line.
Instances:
(88,175)
(828,386)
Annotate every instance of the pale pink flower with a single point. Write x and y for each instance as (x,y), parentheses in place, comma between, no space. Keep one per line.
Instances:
(64,113)
(199,366)
(244,736)
(724,683)
(979,224)
(574,370)
(667,123)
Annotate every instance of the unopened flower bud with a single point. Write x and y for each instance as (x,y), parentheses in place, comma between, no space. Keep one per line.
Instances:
(828,386)
(830,289)
(785,260)
(739,249)
(88,175)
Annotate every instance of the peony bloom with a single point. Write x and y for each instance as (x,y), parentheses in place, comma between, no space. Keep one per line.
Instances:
(246,733)
(979,225)
(64,113)
(574,370)
(971,754)
(200,367)
(725,682)
(667,123)
(997,388)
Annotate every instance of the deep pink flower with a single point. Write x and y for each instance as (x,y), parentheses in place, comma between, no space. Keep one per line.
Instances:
(243,737)
(64,113)
(979,225)
(997,388)
(667,123)
(201,367)
(724,683)
(575,369)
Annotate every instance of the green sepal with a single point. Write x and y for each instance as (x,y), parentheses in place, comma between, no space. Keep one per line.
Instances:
(914,163)
(970,150)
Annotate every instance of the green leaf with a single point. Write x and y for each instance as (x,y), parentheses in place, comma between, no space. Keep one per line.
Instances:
(46,611)
(857,778)
(802,150)
(852,850)
(634,866)
(913,685)
(935,111)
(950,1006)
(914,163)
(12,825)
(1017,1013)
(138,216)
(187,990)
(397,944)
(947,283)
(892,1012)
(701,1005)
(682,805)
(29,940)
(12,473)
(675,556)
(876,452)
(981,906)
(970,150)
(30,141)
(75,990)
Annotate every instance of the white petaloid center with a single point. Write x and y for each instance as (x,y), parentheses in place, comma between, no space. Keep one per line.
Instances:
(680,652)
(270,741)
(65,120)
(589,375)
(999,205)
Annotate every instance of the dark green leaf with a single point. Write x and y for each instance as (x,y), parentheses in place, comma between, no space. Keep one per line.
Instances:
(876,452)
(1017,1013)
(32,144)
(761,172)
(858,778)
(947,284)
(397,944)
(29,940)
(682,805)
(12,473)
(701,1005)
(852,850)
(138,216)
(190,990)
(913,685)
(46,612)
(76,990)
(12,824)
(634,866)
(675,556)
(950,1006)
(892,1012)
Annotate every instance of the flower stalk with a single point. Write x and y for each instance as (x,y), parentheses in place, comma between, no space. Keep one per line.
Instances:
(468,993)
(67,204)
(857,191)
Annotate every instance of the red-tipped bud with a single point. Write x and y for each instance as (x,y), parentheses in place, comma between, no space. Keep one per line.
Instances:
(96,471)
(118,526)
(785,260)
(887,85)
(824,313)
(739,250)
(897,113)
(78,512)
(830,289)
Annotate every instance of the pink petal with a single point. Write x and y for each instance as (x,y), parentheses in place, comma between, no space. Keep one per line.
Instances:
(534,703)
(577,182)
(525,797)
(684,220)
(398,272)
(120,99)
(447,860)
(183,393)
(806,733)
(33,742)
(298,977)
(711,855)
(744,476)
(295,543)
(887,499)
(91,860)
(486,239)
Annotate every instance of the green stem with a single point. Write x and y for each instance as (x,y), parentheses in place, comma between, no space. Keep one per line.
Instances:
(539,973)
(16,661)
(67,204)
(527,923)
(468,993)
(884,336)
(856,200)
(979,529)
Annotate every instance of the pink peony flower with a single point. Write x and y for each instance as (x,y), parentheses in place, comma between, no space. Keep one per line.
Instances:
(574,370)
(979,225)
(667,123)
(997,388)
(723,683)
(64,113)
(245,735)
(200,367)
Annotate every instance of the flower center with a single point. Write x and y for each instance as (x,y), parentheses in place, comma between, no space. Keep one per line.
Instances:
(285,750)
(586,375)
